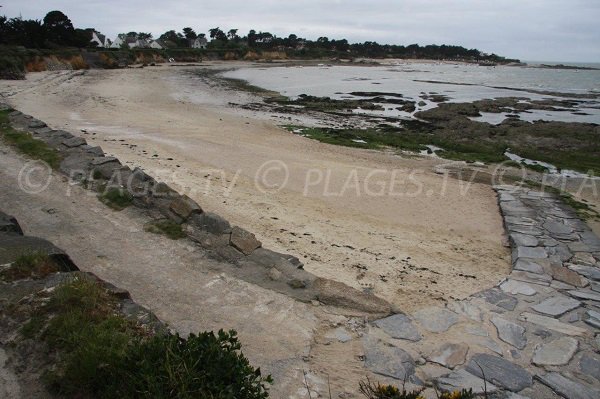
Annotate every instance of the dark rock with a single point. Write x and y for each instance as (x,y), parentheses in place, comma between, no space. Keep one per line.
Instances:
(12,246)
(35,124)
(339,294)
(244,241)
(399,326)
(387,360)
(9,224)
(568,388)
(210,222)
(184,207)
(498,298)
(500,372)
(462,379)
(510,332)
(74,142)
(589,364)
(436,319)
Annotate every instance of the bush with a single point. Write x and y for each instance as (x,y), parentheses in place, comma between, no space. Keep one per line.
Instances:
(166,227)
(11,68)
(34,265)
(116,198)
(100,354)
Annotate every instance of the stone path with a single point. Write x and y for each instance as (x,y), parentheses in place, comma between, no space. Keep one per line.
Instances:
(536,334)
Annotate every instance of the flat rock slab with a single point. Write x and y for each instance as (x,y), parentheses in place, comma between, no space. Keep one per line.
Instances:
(542,279)
(530,252)
(399,326)
(462,379)
(12,246)
(340,334)
(589,364)
(387,360)
(244,241)
(510,332)
(500,372)
(552,324)
(556,306)
(496,297)
(557,228)
(567,276)
(585,294)
(528,265)
(556,353)
(567,387)
(449,355)
(517,287)
(435,319)
(9,224)
(524,240)
(592,318)
(590,272)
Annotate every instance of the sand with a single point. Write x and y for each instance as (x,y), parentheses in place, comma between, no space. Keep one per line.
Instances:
(372,219)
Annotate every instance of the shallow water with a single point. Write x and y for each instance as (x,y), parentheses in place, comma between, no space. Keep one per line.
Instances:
(460,82)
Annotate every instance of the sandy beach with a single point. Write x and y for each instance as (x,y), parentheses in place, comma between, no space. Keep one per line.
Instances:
(374,220)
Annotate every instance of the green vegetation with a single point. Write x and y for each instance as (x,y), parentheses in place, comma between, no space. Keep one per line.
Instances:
(26,144)
(326,104)
(166,227)
(117,198)
(377,391)
(35,265)
(99,353)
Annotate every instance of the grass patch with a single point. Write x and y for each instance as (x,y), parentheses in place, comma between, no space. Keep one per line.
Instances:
(166,227)
(35,265)
(116,198)
(98,353)
(372,390)
(26,144)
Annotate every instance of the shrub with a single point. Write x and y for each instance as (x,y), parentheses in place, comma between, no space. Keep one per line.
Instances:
(116,198)
(35,265)
(166,227)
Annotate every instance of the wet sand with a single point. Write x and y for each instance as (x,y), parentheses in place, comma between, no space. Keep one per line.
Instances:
(371,219)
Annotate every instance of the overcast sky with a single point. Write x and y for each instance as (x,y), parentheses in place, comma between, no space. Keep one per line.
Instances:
(534,30)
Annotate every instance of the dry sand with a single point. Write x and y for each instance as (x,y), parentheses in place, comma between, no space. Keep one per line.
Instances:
(431,240)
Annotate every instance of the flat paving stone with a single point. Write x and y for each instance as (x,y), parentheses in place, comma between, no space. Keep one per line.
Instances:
(555,353)
(585,294)
(510,332)
(524,240)
(568,388)
(462,379)
(435,319)
(523,221)
(589,364)
(568,276)
(517,287)
(340,334)
(528,265)
(500,372)
(449,355)
(530,252)
(557,227)
(399,326)
(496,297)
(541,279)
(387,360)
(467,308)
(556,306)
(531,230)
(592,318)
(552,324)
(590,272)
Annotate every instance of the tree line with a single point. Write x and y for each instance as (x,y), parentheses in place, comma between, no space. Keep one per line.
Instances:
(56,30)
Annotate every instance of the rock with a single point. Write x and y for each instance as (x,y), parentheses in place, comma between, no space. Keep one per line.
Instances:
(467,308)
(449,355)
(9,224)
(552,324)
(583,258)
(106,169)
(435,319)
(529,252)
(339,334)
(462,379)
(529,230)
(102,160)
(589,364)
(184,207)
(559,285)
(585,294)
(542,279)
(387,360)
(243,240)
(399,326)
(500,372)
(556,306)
(528,265)
(595,286)
(496,297)
(296,283)
(274,274)
(590,272)
(557,228)
(74,142)
(568,388)
(524,240)
(339,294)
(35,124)
(510,332)
(12,246)
(556,353)
(210,222)
(560,251)
(567,276)
(76,165)
(592,318)
(520,221)
(517,287)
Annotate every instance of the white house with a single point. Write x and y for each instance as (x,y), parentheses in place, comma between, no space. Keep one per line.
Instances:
(99,39)
(199,42)
(155,44)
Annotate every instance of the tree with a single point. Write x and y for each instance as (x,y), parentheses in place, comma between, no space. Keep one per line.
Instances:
(59,28)
(252,38)
(232,34)
(189,33)
(217,34)
(144,36)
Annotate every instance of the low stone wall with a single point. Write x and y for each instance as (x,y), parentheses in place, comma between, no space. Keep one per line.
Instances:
(253,263)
